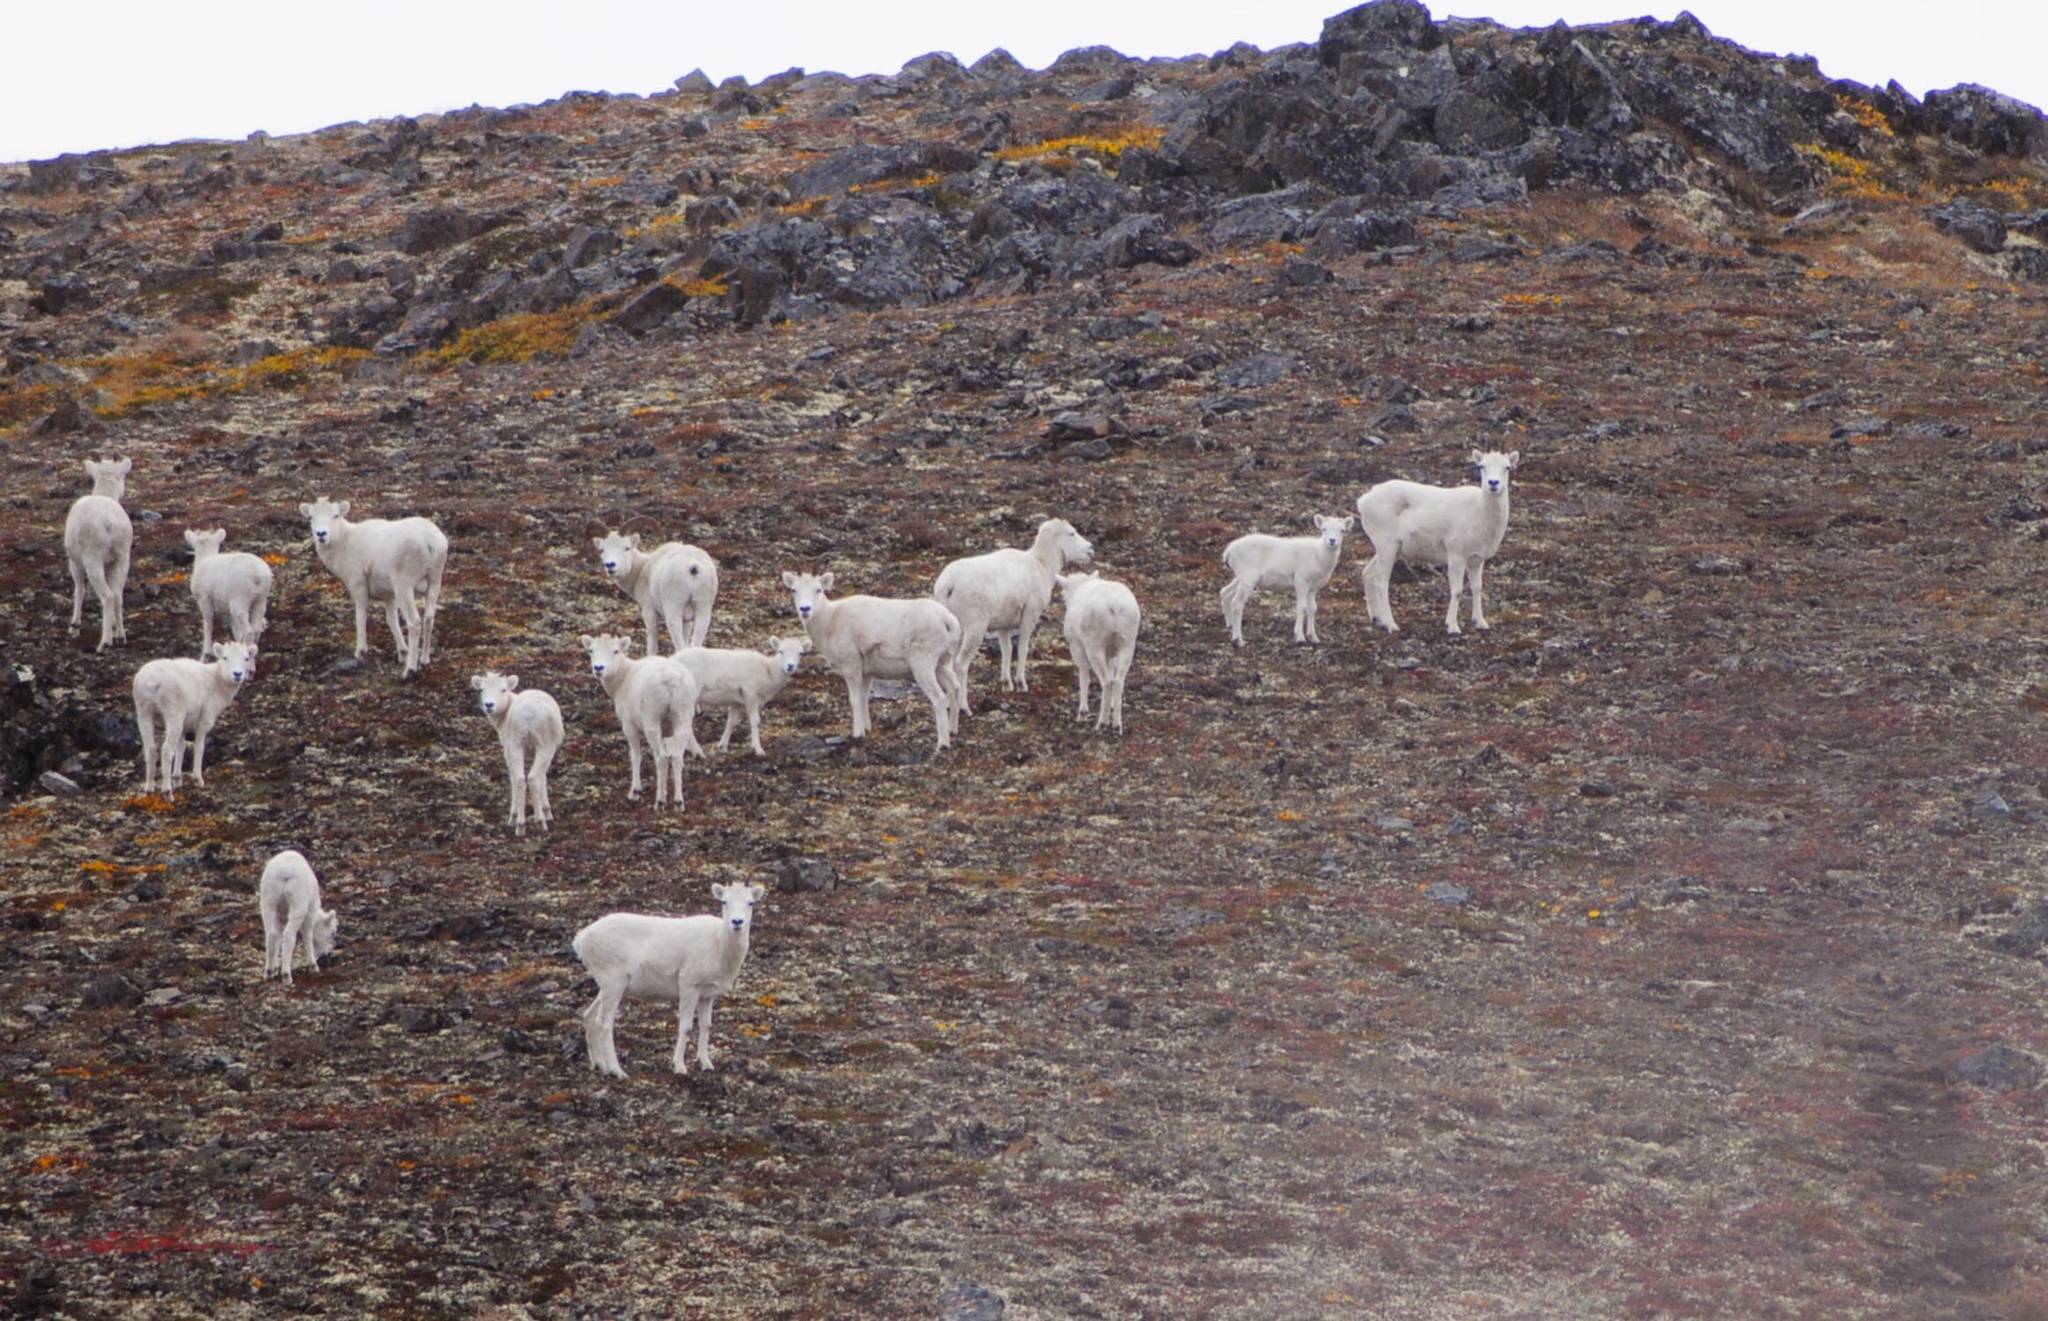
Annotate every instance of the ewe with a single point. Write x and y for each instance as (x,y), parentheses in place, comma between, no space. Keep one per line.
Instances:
(865,638)
(656,701)
(1102,635)
(384,560)
(742,681)
(97,538)
(689,960)
(186,695)
(1303,563)
(236,585)
(678,581)
(1006,591)
(528,720)
(1459,527)
(289,898)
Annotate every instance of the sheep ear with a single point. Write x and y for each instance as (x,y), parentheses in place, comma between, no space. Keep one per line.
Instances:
(305,510)
(124,465)
(1350,522)
(511,682)
(191,537)
(598,542)
(717,891)
(1478,457)
(1514,457)
(342,509)
(757,891)
(788,579)
(588,642)
(633,540)
(825,581)
(476,682)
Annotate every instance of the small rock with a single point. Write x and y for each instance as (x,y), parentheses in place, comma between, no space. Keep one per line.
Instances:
(1445,893)
(346,665)
(963,1300)
(1080,426)
(163,995)
(806,875)
(1999,1068)
(1718,566)
(111,990)
(1092,450)
(1864,424)
(61,785)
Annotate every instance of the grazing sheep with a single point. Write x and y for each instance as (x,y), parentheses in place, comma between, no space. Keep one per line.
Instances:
(1006,591)
(384,560)
(1459,527)
(183,695)
(97,539)
(742,681)
(690,960)
(289,898)
(865,638)
(678,581)
(236,584)
(531,719)
(1303,563)
(656,700)
(1102,634)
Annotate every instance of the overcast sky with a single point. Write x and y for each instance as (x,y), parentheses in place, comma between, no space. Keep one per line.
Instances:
(117,73)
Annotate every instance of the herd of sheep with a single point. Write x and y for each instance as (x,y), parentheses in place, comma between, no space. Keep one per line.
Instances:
(928,641)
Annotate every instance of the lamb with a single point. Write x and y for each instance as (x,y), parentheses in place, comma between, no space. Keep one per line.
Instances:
(384,560)
(1303,563)
(531,719)
(1459,527)
(690,960)
(236,585)
(289,898)
(183,695)
(1007,591)
(865,638)
(1102,635)
(97,540)
(742,681)
(678,581)
(656,700)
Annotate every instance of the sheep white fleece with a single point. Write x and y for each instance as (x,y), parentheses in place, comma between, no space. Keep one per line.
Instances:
(384,560)
(529,720)
(689,960)
(235,584)
(1303,563)
(676,580)
(97,540)
(865,638)
(656,701)
(1459,527)
(1101,625)
(181,695)
(289,898)
(742,681)
(1006,592)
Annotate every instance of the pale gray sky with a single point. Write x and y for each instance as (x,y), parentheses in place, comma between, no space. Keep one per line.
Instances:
(117,73)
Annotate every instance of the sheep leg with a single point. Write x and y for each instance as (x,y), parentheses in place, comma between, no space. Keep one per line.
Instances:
(537,784)
(632,759)
(973,627)
(653,632)
(1025,628)
(77,591)
(1303,596)
(271,934)
(676,758)
(1119,670)
(206,631)
(1314,600)
(700,622)
(200,730)
(732,717)
(239,624)
(1378,575)
(704,1052)
(288,942)
(1082,670)
(926,672)
(409,610)
(259,619)
(398,643)
(1234,596)
(430,613)
(678,631)
(147,729)
(856,697)
(359,595)
(598,1022)
(96,574)
(515,774)
(173,750)
(1454,569)
(1478,571)
(686,1010)
(754,727)
(117,582)
(949,684)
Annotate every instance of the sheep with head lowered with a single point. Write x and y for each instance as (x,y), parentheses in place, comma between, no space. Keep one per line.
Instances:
(1005,592)
(182,695)
(1101,625)
(1303,563)
(97,540)
(688,960)
(865,638)
(388,560)
(525,721)
(1459,527)
(656,701)
(235,585)
(740,681)
(677,581)
(289,898)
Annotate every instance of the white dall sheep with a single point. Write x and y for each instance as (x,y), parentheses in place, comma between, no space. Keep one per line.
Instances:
(1303,563)
(182,695)
(235,585)
(289,897)
(1459,527)
(525,721)
(1006,592)
(742,681)
(1101,625)
(865,638)
(676,581)
(384,560)
(656,701)
(97,540)
(689,960)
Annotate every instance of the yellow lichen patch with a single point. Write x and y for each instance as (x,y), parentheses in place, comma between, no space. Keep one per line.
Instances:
(136,381)
(19,405)
(273,559)
(1850,176)
(521,337)
(1110,145)
(702,287)
(1864,113)
(149,803)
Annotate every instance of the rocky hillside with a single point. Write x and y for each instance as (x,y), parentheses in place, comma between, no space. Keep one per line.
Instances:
(1674,948)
